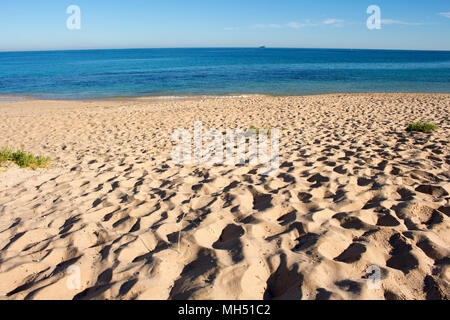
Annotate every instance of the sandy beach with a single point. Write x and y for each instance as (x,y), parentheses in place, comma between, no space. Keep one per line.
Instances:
(354,192)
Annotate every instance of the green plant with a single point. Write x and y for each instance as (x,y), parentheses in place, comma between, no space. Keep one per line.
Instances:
(23,159)
(421,127)
(257,130)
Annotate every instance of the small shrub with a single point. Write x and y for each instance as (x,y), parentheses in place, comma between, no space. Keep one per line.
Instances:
(23,159)
(421,127)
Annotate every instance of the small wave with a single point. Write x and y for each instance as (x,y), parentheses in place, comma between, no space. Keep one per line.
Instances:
(5,99)
(166,98)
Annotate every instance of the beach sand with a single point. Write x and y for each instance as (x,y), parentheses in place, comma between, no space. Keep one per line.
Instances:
(354,192)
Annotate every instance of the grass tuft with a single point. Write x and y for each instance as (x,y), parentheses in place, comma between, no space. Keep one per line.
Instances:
(256,130)
(421,127)
(22,159)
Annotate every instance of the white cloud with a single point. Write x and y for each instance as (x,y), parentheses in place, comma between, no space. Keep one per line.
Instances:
(266,26)
(258,26)
(445,14)
(298,25)
(336,22)
(294,25)
(392,21)
(231,28)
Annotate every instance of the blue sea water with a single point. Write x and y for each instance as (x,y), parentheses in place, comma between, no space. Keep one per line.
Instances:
(220,71)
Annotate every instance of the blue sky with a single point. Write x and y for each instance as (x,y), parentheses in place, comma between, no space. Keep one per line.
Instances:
(41,24)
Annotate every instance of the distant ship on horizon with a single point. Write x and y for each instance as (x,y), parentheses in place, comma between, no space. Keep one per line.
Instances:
(262,47)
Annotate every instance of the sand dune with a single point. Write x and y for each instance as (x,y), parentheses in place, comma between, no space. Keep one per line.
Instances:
(354,190)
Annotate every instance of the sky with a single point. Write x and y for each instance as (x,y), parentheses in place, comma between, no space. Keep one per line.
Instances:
(42,25)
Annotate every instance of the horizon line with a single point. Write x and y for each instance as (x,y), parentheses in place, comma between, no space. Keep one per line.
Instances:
(219,47)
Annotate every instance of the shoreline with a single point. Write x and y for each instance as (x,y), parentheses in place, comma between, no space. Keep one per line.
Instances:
(149,98)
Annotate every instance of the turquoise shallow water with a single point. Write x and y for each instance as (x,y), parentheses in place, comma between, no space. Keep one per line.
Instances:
(220,71)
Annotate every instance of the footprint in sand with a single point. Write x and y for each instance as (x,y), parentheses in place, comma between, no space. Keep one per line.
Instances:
(229,240)
(285,283)
(401,256)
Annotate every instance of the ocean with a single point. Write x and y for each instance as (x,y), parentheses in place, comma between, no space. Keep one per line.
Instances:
(88,74)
